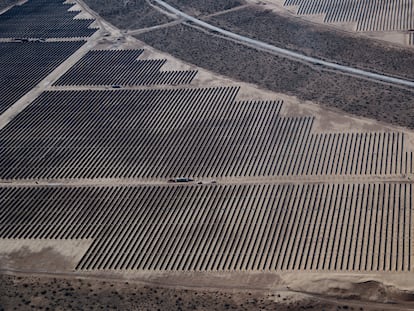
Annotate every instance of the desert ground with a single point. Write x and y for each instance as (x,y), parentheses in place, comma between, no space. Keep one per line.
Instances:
(148,163)
(60,293)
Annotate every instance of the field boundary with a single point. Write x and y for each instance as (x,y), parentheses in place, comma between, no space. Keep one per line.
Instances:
(287,53)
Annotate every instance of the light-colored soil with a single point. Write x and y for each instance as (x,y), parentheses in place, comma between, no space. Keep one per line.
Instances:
(282,290)
(25,292)
(41,255)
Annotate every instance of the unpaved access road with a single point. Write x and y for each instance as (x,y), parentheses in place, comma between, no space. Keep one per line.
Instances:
(285,52)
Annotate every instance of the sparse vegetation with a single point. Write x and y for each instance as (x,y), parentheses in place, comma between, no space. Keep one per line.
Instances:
(80,195)
(128,14)
(199,7)
(319,41)
(350,94)
(42,293)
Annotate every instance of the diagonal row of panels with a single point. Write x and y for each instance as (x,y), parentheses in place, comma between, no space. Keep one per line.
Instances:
(358,227)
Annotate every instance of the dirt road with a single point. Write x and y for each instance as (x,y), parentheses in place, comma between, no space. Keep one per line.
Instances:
(285,52)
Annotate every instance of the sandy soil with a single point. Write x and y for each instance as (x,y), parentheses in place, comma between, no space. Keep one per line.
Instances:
(299,84)
(20,292)
(42,255)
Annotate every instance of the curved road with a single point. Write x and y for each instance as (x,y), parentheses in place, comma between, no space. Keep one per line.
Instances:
(284,52)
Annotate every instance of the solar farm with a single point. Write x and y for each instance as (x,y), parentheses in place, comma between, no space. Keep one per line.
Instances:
(159,166)
(395,17)
(352,227)
(37,60)
(187,132)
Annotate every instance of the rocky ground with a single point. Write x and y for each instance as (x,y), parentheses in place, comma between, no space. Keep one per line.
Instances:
(53,293)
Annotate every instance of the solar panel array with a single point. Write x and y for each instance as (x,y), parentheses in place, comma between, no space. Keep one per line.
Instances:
(121,67)
(152,132)
(235,227)
(24,65)
(191,132)
(44,19)
(371,15)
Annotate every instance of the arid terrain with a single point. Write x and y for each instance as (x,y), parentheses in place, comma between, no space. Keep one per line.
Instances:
(60,293)
(149,161)
(350,94)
